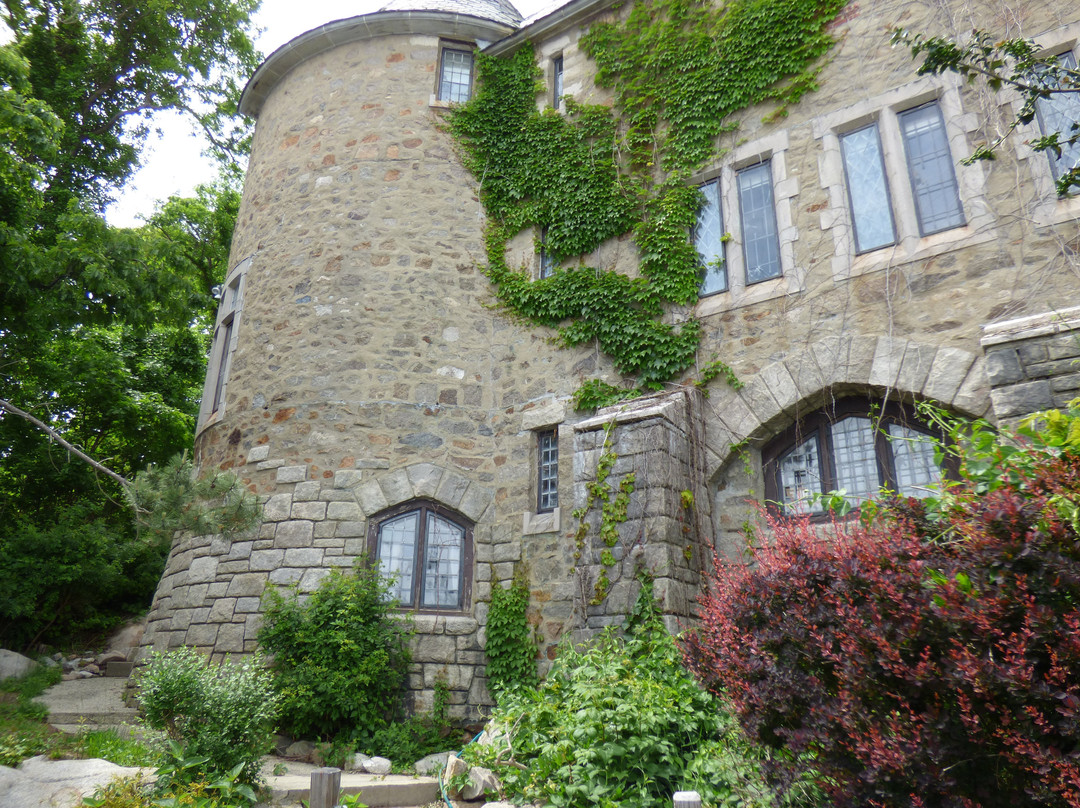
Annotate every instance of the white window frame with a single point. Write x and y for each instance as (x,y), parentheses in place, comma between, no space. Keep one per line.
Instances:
(1046,207)
(451,46)
(223,346)
(774,150)
(884,110)
(546,417)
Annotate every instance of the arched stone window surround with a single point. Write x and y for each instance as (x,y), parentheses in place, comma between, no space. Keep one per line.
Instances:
(427,509)
(833,368)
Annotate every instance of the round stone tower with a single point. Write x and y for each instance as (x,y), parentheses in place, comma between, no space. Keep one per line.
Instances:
(359,380)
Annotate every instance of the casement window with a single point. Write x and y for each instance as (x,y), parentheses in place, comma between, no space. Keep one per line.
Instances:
(856,446)
(547,470)
(1059,112)
(557,82)
(455,74)
(426,550)
(868,189)
(709,240)
(548,262)
(757,216)
(930,169)
(223,345)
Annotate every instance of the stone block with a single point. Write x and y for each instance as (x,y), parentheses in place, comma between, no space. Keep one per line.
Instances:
(1064,346)
(347,478)
(277,508)
(250,585)
(238,550)
(396,487)
(507,551)
(202,570)
(222,610)
(1022,399)
(433,648)
(285,576)
(268,465)
(247,605)
(326,529)
(258,453)
(230,638)
(262,560)
(343,511)
(294,534)
(458,626)
(303,557)
(311,579)
(947,373)
(315,511)
(202,635)
(291,474)
(452,488)
(425,479)
(307,491)
(370,497)
(476,501)
(351,529)
(888,358)
(915,367)
(1003,366)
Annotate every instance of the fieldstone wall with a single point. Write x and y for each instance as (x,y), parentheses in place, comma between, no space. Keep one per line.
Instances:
(1033,363)
(658,440)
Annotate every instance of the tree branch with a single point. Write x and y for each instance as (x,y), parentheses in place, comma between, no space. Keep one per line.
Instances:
(7,406)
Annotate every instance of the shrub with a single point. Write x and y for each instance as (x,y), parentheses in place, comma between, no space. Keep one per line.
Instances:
(620,723)
(914,671)
(340,658)
(225,713)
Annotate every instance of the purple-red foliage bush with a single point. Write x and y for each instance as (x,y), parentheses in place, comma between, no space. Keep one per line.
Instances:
(909,672)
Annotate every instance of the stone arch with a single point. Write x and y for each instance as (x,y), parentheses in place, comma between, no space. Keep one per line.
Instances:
(425,481)
(806,379)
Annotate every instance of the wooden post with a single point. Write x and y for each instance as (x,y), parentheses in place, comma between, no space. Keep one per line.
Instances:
(682,799)
(325,787)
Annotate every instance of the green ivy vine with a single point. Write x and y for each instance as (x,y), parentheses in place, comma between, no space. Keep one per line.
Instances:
(510,646)
(679,70)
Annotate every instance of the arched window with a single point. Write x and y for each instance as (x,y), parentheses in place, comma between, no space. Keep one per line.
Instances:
(856,445)
(427,549)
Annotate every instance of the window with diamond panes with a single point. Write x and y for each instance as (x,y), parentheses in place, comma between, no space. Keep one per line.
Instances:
(547,478)
(868,189)
(427,553)
(757,215)
(931,170)
(857,446)
(455,78)
(1059,112)
(709,241)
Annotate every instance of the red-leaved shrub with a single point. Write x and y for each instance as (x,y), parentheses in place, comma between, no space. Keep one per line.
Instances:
(906,671)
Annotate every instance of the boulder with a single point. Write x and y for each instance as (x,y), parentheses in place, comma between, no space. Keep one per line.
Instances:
(481,782)
(377,765)
(15,666)
(300,750)
(43,783)
(431,765)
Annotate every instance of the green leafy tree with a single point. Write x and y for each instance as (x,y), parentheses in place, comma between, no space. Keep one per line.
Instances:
(1017,64)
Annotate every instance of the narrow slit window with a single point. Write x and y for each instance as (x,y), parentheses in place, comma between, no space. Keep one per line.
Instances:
(547,478)
(557,82)
(868,189)
(757,212)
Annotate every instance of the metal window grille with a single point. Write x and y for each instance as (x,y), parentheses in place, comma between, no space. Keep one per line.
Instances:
(709,241)
(455,80)
(930,168)
(757,211)
(547,488)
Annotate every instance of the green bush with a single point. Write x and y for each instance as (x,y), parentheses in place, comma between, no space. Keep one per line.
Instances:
(340,657)
(225,713)
(620,722)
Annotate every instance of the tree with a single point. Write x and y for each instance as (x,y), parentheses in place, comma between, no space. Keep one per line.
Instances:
(1018,64)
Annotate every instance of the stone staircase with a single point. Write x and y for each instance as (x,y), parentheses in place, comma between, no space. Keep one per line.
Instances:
(87,704)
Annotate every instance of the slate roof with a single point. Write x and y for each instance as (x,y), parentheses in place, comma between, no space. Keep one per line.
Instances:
(497,10)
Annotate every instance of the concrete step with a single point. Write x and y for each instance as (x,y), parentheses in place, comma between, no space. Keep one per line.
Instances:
(83,704)
(375,790)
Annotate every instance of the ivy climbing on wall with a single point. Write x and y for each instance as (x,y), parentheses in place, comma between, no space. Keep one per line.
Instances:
(679,71)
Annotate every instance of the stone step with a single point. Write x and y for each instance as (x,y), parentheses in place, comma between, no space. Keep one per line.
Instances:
(375,790)
(83,704)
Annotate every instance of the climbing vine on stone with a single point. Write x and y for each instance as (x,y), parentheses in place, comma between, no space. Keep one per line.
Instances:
(678,69)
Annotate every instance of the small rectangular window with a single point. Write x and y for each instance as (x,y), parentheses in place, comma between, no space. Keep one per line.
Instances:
(455,76)
(557,81)
(1060,112)
(221,349)
(547,478)
(757,212)
(930,167)
(709,241)
(547,260)
(868,189)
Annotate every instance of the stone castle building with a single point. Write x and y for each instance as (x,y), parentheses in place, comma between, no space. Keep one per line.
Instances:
(363,384)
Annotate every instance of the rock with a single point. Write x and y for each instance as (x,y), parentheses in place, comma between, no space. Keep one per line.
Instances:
(499,804)
(49,662)
(377,765)
(300,750)
(432,764)
(43,783)
(92,668)
(454,767)
(481,781)
(127,639)
(15,666)
(101,660)
(82,674)
(281,743)
(356,762)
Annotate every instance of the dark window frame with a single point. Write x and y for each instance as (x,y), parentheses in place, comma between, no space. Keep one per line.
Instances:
(745,216)
(423,506)
(882,413)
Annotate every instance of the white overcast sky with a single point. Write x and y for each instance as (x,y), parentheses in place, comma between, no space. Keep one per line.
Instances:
(173,163)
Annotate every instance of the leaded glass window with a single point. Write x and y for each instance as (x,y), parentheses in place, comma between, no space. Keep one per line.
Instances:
(1059,112)
(709,241)
(455,78)
(426,552)
(868,189)
(930,166)
(855,446)
(757,213)
(547,478)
